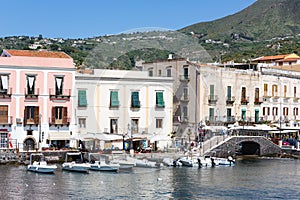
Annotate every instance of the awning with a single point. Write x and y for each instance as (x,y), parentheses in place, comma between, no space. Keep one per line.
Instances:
(59,135)
(159,138)
(100,136)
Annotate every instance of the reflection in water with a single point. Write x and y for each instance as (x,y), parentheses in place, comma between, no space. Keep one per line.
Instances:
(251,179)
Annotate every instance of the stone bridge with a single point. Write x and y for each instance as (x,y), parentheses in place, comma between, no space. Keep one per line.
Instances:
(244,145)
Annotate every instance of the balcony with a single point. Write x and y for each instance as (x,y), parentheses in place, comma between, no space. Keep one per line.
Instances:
(212,99)
(65,121)
(258,101)
(60,95)
(184,78)
(5,94)
(244,100)
(6,120)
(31,121)
(230,100)
(32,94)
(185,98)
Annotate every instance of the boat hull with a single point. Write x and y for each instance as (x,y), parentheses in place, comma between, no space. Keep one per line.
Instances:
(39,169)
(82,168)
(104,168)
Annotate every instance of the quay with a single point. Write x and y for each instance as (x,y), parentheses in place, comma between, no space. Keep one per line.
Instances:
(216,146)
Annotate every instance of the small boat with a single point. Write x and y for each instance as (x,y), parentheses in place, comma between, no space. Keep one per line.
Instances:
(144,163)
(230,161)
(40,166)
(124,164)
(189,161)
(74,163)
(101,165)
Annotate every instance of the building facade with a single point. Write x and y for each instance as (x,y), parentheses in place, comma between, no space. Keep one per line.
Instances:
(125,103)
(219,95)
(36,99)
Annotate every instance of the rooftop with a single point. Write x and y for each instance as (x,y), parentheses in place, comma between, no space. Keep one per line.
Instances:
(29,53)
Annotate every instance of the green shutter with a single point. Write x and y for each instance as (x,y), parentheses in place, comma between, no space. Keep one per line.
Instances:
(160,100)
(135,101)
(114,99)
(82,98)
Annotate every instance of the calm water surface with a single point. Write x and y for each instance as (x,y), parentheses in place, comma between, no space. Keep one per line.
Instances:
(252,179)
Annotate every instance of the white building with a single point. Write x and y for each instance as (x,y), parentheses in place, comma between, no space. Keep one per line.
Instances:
(124,103)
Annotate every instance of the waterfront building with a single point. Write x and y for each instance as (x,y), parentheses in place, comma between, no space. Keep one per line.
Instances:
(222,94)
(128,104)
(36,99)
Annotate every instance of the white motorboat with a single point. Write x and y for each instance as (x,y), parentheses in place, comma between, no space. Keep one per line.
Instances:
(230,161)
(124,164)
(188,161)
(144,163)
(74,163)
(40,166)
(101,165)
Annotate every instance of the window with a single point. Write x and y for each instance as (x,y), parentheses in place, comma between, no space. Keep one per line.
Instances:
(59,115)
(150,72)
(256,95)
(285,111)
(113,125)
(265,89)
(160,100)
(3,114)
(4,83)
(114,99)
(211,114)
(185,93)
(134,125)
(159,123)
(186,72)
(185,113)
(59,85)
(82,122)
(274,90)
(31,115)
(295,92)
(159,72)
(30,84)
(243,115)
(3,140)
(284,90)
(256,115)
(229,93)
(295,112)
(212,92)
(244,94)
(266,111)
(275,111)
(228,114)
(135,101)
(169,72)
(82,102)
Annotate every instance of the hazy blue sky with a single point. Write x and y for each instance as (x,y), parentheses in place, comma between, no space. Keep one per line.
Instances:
(88,18)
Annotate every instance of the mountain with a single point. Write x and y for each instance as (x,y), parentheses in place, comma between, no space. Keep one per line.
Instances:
(263,20)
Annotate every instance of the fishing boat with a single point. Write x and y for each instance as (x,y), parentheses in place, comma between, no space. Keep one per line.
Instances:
(40,165)
(74,163)
(101,165)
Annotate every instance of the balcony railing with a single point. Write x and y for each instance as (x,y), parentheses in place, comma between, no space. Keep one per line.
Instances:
(245,100)
(230,100)
(31,121)
(31,94)
(5,94)
(185,78)
(62,95)
(6,120)
(55,121)
(258,101)
(212,99)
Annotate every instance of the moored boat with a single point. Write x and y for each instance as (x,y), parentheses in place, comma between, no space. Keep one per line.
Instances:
(40,166)
(74,163)
(101,165)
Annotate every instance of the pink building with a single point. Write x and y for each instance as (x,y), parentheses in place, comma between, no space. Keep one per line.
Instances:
(36,90)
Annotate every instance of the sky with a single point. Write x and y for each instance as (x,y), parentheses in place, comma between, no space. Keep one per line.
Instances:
(90,18)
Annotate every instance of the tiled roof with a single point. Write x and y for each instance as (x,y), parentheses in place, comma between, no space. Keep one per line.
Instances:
(44,54)
(277,57)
